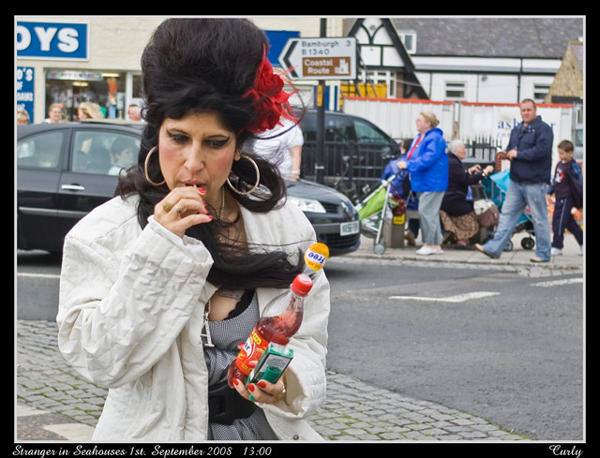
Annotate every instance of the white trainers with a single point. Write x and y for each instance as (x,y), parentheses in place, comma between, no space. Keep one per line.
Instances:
(555,252)
(426,251)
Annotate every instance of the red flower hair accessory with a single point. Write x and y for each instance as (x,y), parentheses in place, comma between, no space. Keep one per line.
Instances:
(269,98)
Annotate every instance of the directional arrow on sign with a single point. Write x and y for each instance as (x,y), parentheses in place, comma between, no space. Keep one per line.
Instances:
(285,57)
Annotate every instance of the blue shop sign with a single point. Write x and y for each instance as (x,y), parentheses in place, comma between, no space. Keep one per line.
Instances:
(52,40)
(25,91)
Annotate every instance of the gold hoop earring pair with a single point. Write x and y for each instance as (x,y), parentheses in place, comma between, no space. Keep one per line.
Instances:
(253,188)
(154,183)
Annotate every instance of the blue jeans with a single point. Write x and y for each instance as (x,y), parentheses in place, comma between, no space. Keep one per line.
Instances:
(518,196)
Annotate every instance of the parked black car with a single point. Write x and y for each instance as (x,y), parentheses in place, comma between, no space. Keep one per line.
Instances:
(356,152)
(65,170)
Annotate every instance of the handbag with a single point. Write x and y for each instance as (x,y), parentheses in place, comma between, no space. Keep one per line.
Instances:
(487,212)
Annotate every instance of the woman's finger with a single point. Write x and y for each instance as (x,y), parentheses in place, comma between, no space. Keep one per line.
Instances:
(181,209)
(187,206)
(266,392)
(273,389)
(262,391)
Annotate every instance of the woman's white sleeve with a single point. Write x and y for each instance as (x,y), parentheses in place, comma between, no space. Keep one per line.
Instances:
(117,317)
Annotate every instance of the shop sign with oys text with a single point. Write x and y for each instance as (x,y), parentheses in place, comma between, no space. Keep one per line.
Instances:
(52,40)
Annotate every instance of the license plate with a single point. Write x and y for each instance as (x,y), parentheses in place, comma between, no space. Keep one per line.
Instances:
(352,227)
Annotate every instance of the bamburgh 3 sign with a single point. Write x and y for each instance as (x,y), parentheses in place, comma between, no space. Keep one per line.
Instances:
(320,58)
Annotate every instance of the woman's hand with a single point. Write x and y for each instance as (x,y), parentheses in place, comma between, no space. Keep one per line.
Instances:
(181,209)
(262,391)
(474,169)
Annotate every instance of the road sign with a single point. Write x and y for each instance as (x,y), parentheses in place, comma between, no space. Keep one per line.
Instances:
(320,58)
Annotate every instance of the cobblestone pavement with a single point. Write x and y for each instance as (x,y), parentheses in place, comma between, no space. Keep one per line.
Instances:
(54,403)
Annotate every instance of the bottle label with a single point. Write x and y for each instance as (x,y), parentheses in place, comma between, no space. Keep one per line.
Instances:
(252,350)
(316,256)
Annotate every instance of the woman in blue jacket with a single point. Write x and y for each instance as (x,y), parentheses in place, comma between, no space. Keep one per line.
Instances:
(427,164)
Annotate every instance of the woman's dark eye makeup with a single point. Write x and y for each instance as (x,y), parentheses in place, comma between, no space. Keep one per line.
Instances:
(218,141)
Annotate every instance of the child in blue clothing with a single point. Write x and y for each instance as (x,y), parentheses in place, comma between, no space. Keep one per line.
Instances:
(400,187)
(567,187)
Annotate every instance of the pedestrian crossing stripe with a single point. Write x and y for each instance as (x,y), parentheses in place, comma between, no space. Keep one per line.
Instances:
(568,281)
(454,299)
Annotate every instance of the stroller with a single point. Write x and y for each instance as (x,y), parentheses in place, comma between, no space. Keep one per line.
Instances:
(373,209)
(500,182)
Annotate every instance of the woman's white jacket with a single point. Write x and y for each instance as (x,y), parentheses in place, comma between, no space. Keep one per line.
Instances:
(131,314)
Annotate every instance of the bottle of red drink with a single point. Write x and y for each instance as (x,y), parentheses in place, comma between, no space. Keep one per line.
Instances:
(279,321)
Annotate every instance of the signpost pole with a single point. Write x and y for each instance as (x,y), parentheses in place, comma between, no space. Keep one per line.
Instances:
(319,164)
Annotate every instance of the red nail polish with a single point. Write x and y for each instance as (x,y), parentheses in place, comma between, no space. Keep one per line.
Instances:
(262,384)
(202,190)
(251,388)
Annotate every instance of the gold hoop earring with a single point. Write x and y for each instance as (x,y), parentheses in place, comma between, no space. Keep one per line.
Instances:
(251,190)
(146,169)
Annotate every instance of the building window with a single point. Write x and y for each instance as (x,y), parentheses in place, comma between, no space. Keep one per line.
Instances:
(409,38)
(540,91)
(455,91)
(381,81)
(71,87)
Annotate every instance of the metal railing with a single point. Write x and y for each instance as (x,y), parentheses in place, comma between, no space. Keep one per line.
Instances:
(350,167)
(355,168)
(481,153)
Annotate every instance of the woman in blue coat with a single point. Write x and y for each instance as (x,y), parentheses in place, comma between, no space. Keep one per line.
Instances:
(427,164)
